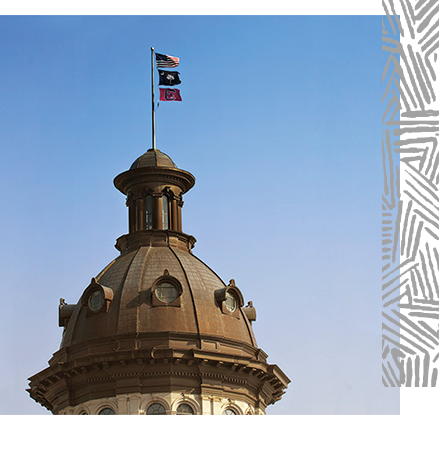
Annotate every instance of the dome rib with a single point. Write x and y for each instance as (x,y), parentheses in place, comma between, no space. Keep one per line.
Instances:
(71,334)
(138,308)
(249,328)
(204,281)
(190,291)
(128,318)
(103,271)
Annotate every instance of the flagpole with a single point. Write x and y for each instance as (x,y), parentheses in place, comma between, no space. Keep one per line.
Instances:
(153,120)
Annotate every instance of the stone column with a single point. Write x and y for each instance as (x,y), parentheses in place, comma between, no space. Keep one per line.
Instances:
(131,216)
(157,211)
(173,215)
(130,203)
(141,213)
(179,215)
(122,404)
(128,403)
(207,405)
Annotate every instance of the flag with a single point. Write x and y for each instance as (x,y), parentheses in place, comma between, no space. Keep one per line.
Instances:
(169,94)
(166,61)
(168,78)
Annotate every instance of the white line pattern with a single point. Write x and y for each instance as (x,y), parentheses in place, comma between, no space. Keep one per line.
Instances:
(410,200)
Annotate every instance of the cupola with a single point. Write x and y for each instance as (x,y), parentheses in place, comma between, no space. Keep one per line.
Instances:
(154,187)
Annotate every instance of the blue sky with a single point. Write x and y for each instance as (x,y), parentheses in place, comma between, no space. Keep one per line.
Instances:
(280,123)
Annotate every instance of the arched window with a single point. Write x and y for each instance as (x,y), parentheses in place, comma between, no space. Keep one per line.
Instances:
(106,411)
(229,411)
(149,212)
(184,409)
(156,409)
(165,213)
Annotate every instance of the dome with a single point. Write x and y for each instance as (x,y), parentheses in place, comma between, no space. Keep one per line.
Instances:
(157,322)
(132,311)
(153,157)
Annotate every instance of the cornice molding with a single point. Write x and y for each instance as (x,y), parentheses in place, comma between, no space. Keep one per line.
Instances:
(223,371)
(181,178)
(135,240)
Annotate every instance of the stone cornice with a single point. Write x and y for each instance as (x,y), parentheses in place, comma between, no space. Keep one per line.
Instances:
(193,367)
(129,178)
(135,240)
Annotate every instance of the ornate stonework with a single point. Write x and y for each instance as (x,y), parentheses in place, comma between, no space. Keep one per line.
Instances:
(157,323)
(139,404)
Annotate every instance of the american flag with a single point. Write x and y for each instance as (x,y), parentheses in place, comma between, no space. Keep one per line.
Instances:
(166,61)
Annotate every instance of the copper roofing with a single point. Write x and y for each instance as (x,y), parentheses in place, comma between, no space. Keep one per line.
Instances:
(153,157)
(131,312)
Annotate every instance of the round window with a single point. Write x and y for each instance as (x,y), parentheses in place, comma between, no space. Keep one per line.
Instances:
(156,409)
(230,302)
(166,292)
(184,409)
(229,411)
(106,411)
(96,300)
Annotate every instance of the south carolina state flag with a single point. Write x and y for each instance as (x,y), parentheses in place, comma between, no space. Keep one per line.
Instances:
(169,94)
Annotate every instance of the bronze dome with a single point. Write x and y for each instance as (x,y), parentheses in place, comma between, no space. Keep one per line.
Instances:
(157,320)
(153,157)
(132,310)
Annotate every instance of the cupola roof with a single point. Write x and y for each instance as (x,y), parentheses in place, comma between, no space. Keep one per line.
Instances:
(153,157)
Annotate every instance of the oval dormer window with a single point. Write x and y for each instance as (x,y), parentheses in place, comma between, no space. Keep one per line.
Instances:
(166,292)
(230,302)
(96,300)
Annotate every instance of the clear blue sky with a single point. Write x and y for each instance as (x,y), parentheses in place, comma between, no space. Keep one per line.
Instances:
(280,123)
